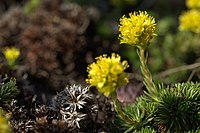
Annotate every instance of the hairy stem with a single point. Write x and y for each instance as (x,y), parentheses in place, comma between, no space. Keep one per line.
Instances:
(119,110)
(148,80)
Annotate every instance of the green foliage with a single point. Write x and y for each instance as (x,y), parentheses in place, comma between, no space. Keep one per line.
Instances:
(8,90)
(173,109)
(140,114)
(146,130)
(195,131)
(178,107)
(105,30)
(171,49)
(31,6)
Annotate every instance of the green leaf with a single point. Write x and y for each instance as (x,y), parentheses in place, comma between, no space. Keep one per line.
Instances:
(8,91)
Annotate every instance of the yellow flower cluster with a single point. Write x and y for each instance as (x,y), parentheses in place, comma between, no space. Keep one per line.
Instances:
(195,4)
(107,73)
(4,125)
(190,20)
(138,29)
(11,54)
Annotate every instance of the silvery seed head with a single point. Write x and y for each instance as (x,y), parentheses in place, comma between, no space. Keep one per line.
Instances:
(75,104)
(78,97)
(73,118)
(72,98)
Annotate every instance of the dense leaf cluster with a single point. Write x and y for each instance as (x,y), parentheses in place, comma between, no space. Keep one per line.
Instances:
(8,90)
(174,109)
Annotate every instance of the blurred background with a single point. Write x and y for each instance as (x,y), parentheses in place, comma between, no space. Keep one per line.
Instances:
(57,40)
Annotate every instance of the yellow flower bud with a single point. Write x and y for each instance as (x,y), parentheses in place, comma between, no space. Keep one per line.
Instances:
(4,125)
(11,53)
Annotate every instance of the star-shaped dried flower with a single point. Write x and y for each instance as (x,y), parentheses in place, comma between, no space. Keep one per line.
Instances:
(72,98)
(73,118)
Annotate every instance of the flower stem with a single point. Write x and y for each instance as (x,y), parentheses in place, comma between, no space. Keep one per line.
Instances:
(148,80)
(119,110)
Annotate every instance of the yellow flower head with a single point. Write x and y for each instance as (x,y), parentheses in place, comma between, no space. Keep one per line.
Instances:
(138,29)
(190,20)
(193,4)
(11,53)
(4,125)
(107,73)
